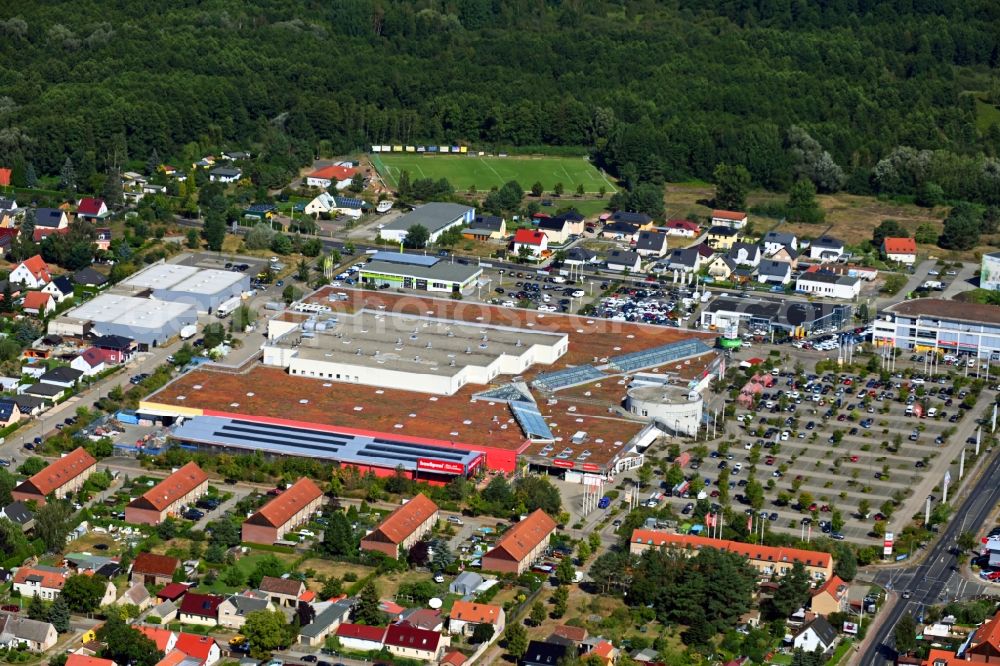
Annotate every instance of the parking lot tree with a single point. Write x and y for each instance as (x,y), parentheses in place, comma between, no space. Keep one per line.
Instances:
(755,493)
(645,475)
(966,540)
(674,475)
(805,500)
(696,485)
(836,520)
(565,570)
(516,638)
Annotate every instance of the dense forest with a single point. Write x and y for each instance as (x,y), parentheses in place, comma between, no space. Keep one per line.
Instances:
(865,95)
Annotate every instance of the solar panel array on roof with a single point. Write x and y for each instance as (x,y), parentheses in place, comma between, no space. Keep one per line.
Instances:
(531,421)
(403,258)
(348,202)
(648,358)
(581,374)
(295,441)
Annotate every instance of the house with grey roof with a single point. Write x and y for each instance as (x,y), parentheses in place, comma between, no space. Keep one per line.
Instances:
(623,260)
(817,635)
(686,260)
(775,240)
(651,243)
(329,616)
(165,612)
(34,635)
(436,217)
(826,249)
(234,610)
(721,267)
(774,272)
(465,583)
(578,256)
(20,514)
(137,595)
(745,254)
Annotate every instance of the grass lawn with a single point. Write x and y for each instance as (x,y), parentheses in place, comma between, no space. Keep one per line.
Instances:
(246,565)
(464,171)
(330,568)
(986,115)
(783,659)
(838,654)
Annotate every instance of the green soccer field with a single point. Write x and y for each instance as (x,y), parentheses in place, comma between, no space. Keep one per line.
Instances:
(464,171)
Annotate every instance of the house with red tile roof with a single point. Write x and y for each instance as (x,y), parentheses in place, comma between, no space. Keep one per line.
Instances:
(153,569)
(403,527)
(729,218)
(331,175)
(5,174)
(283,513)
(33,273)
(87,660)
(902,250)
(39,581)
(830,597)
(682,228)
(92,361)
(174,658)
(200,609)
(404,640)
(173,591)
(202,648)
(770,561)
(92,208)
(38,303)
(604,650)
(360,638)
(453,658)
(60,477)
(985,643)
(533,241)
(521,545)
(465,615)
(168,496)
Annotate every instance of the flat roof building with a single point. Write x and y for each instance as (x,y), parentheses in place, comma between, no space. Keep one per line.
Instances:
(934,324)
(149,322)
(768,560)
(521,545)
(205,289)
(419,272)
(797,318)
(403,527)
(435,217)
(285,512)
(60,477)
(166,498)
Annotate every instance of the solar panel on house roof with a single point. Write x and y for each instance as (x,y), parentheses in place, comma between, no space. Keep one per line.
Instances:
(531,421)
(349,202)
(648,358)
(401,258)
(580,374)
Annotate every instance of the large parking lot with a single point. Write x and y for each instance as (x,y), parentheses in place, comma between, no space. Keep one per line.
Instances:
(837,443)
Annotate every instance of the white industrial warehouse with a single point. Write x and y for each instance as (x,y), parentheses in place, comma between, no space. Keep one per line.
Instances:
(205,289)
(149,322)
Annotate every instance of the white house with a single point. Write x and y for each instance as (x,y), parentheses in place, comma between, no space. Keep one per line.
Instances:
(38,303)
(33,273)
(91,362)
(360,638)
(826,249)
(775,240)
(465,615)
(901,250)
(60,289)
(651,243)
(729,218)
(225,175)
(624,260)
(745,254)
(774,272)
(338,174)
(323,203)
(535,241)
(829,285)
(682,228)
(817,635)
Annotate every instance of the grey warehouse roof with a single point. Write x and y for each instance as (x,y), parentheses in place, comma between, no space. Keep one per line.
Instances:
(432,216)
(304,442)
(794,313)
(442,270)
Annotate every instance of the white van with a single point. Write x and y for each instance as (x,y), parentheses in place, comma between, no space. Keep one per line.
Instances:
(932,412)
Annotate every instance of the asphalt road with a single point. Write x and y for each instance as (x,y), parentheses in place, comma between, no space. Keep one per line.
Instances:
(935,581)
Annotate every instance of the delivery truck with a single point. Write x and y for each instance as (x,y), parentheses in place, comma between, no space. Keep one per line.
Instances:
(228,307)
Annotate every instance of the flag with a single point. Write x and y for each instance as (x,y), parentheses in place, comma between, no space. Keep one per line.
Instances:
(749,523)
(710,520)
(947,477)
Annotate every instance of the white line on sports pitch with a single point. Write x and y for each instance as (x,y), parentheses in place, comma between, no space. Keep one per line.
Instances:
(495,172)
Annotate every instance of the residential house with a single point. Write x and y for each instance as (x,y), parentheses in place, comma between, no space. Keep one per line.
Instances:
(136,595)
(329,616)
(166,498)
(774,272)
(225,174)
(47,392)
(119,349)
(465,615)
(721,267)
(623,260)
(10,413)
(580,256)
(816,635)
(575,222)
(601,648)
(768,560)
(409,642)
(92,209)
(403,527)
(40,581)
(617,230)
(9,208)
(423,618)
(77,659)
(20,514)
(32,273)
(323,202)
(826,249)
(29,405)
(164,639)
(722,238)
(530,243)
(63,376)
(352,207)
(6,173)
(165,612)
(640,220)
(453,658)
(575,635)
(556,228)
(682,228)
(465,583)
(985,643)
(51,219)
(901,250)
(729,218)
(90,362)
(828,284)
(521,545)
(485,228)
(88,277)
(234,610)
(261,212)
(283,513)
(830,597)
(775,240)
(152,569)
(543,653)
(7,235)
(17,630)
(651,243)
(60,289)
(60,478)
(327,176)
(173,591)
(282,591)
(685,260)
(786,254)
(359,637)
(200,609)
(202,648)
(745,254)
(38,303)
(235,155)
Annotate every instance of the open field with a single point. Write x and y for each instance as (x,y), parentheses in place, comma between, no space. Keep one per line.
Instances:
(464,171)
